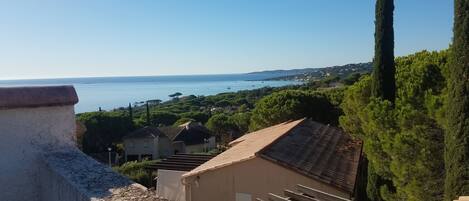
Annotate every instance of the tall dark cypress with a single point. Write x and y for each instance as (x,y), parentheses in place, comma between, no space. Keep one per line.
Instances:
(384,81)
(148,113)
(457,132)
(130,112)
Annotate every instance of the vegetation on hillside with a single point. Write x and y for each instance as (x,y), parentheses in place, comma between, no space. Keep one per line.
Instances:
(227,115)
(404,143)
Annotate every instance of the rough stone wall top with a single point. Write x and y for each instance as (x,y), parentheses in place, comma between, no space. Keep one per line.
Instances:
(95,180)
(26,97)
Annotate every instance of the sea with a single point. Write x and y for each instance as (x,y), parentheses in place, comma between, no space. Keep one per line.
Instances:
(113,92)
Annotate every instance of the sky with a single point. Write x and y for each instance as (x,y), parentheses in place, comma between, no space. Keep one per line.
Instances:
(93,38)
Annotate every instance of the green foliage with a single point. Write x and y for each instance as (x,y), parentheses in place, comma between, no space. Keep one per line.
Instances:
(175,95)
(351,79)
(403,141)
(220,124)
(383,80)
(182,120)
(136,171)
(457,135)
(103,129)
(241,121)
(290,105)
(197,116)
(163,118)
(222,103)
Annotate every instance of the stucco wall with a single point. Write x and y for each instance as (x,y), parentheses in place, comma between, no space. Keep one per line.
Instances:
(141,146)
(256,177)
(25,134)
(40,160)
(165,147)
(169,185)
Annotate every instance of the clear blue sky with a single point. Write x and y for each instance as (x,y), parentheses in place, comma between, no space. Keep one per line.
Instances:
(41,39)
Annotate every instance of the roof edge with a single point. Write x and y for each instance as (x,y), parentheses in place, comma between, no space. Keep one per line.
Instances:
(39,96)
(190,173)
(300,121)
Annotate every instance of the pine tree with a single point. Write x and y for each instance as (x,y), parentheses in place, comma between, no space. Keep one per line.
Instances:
(457,134)
(383,80)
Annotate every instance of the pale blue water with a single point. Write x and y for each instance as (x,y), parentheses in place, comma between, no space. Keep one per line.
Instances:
(113,92)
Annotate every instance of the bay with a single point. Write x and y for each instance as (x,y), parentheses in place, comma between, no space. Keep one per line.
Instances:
(113,92)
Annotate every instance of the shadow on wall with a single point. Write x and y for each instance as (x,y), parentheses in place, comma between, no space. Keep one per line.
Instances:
(37,125)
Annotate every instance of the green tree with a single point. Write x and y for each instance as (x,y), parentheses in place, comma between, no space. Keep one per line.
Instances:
(351,79)
(163,118)
(103,129)
(383,80)
(182,120)
(147,107)
(403,142)
(131,116)
(222,126)
(136,171)
(197,116)
(457,133)
(241,120)
(175,95)
(291,105)
(383,85)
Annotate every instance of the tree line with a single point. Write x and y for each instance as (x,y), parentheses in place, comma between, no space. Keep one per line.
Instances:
(412,115)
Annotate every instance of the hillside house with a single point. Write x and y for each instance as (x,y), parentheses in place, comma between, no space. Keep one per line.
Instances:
(191,137)
(276,158)
(147,143)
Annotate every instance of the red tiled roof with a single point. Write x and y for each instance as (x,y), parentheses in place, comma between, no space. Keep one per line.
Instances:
(319,151)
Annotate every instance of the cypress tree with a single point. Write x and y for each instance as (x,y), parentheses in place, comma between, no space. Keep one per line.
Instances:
(383,77)
(130,113)
(148,113)
(383,82)
(457,134)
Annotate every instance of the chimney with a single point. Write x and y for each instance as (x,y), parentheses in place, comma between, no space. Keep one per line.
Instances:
(32,120)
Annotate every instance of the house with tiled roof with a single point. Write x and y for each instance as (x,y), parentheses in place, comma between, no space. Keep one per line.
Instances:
(190,137)
(147,142)
(280,157)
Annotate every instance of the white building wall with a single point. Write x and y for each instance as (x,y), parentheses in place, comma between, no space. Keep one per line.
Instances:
(40,160)
(141,146)
(165,147)
(169,185)
(26,133)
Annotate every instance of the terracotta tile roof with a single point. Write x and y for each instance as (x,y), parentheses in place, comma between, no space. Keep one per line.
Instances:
(145,132)
(319,151)
(45,96)
(245,147)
